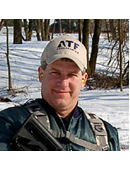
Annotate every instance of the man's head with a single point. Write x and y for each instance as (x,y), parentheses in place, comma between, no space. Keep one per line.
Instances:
(63,66)
(65,47)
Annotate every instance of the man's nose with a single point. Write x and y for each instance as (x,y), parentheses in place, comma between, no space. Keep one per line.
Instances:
(63,81)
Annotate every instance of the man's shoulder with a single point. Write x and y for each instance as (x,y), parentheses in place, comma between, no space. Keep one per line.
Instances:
(16,113)
(13,109)
(111,130)
(19,108)
(106,123)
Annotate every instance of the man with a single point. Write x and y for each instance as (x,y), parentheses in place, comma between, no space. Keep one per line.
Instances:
(62,75)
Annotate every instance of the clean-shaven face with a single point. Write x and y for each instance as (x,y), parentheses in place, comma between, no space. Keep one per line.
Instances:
(61,85)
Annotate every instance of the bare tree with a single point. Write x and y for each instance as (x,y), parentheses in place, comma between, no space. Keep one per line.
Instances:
(53,29)
(95,42)
(38,29)
(30,27)
(42,29)
(86,32)
(113,28)
(107,29)
(47,33)
(2,23)
(69,26)
(80,29)
(7,55)
(17,31)
(60,26)
(26,29)
(120,52)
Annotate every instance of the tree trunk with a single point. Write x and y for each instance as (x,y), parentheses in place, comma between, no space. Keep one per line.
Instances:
(42,29)
(26,29)
(17,31)
(47,33)
(30,29)
(53,29)
(86,31)
(107,28)
(37,26)
(80,29)
(2,23)
(112,28)
(120,52)
(48,29)
(69,26)
(95,43)
(60,26)
(8,63)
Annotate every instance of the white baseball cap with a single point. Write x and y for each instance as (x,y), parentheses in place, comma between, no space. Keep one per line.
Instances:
(65,47)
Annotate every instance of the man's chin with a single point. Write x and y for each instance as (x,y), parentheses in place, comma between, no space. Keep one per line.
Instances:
(61,103)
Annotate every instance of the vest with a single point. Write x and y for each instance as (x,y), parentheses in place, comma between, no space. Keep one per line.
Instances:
(96,123)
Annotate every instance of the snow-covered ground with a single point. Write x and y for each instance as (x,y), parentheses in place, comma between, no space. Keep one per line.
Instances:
(111,105)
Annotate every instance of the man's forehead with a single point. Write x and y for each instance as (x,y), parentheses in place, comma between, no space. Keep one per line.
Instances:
(69,64)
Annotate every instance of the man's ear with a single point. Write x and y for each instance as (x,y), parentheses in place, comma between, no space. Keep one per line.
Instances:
(84,79)
(40,74)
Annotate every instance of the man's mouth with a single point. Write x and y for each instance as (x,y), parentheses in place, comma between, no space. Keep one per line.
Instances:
(61,91)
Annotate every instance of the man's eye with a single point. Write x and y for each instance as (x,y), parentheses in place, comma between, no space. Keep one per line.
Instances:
(54,73)
(73,75)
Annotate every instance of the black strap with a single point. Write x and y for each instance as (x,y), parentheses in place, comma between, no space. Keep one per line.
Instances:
(70,137)
(35,107)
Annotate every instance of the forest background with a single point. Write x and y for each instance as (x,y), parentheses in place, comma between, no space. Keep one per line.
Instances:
(116,31)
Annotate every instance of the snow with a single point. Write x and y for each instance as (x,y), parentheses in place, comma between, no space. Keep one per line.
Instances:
(111,105)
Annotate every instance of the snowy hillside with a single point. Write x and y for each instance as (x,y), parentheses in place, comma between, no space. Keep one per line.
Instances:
(111,105)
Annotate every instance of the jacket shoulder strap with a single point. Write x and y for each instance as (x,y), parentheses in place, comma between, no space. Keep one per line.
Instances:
(99,130)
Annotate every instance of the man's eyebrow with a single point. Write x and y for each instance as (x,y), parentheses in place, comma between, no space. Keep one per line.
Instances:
(69,71)
(54,69)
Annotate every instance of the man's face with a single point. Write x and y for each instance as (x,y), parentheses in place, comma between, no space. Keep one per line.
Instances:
(61,85)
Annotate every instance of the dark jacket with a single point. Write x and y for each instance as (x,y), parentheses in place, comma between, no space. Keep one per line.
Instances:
(12,119)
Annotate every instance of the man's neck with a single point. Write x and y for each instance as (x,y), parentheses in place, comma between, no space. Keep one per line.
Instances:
(64,114)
